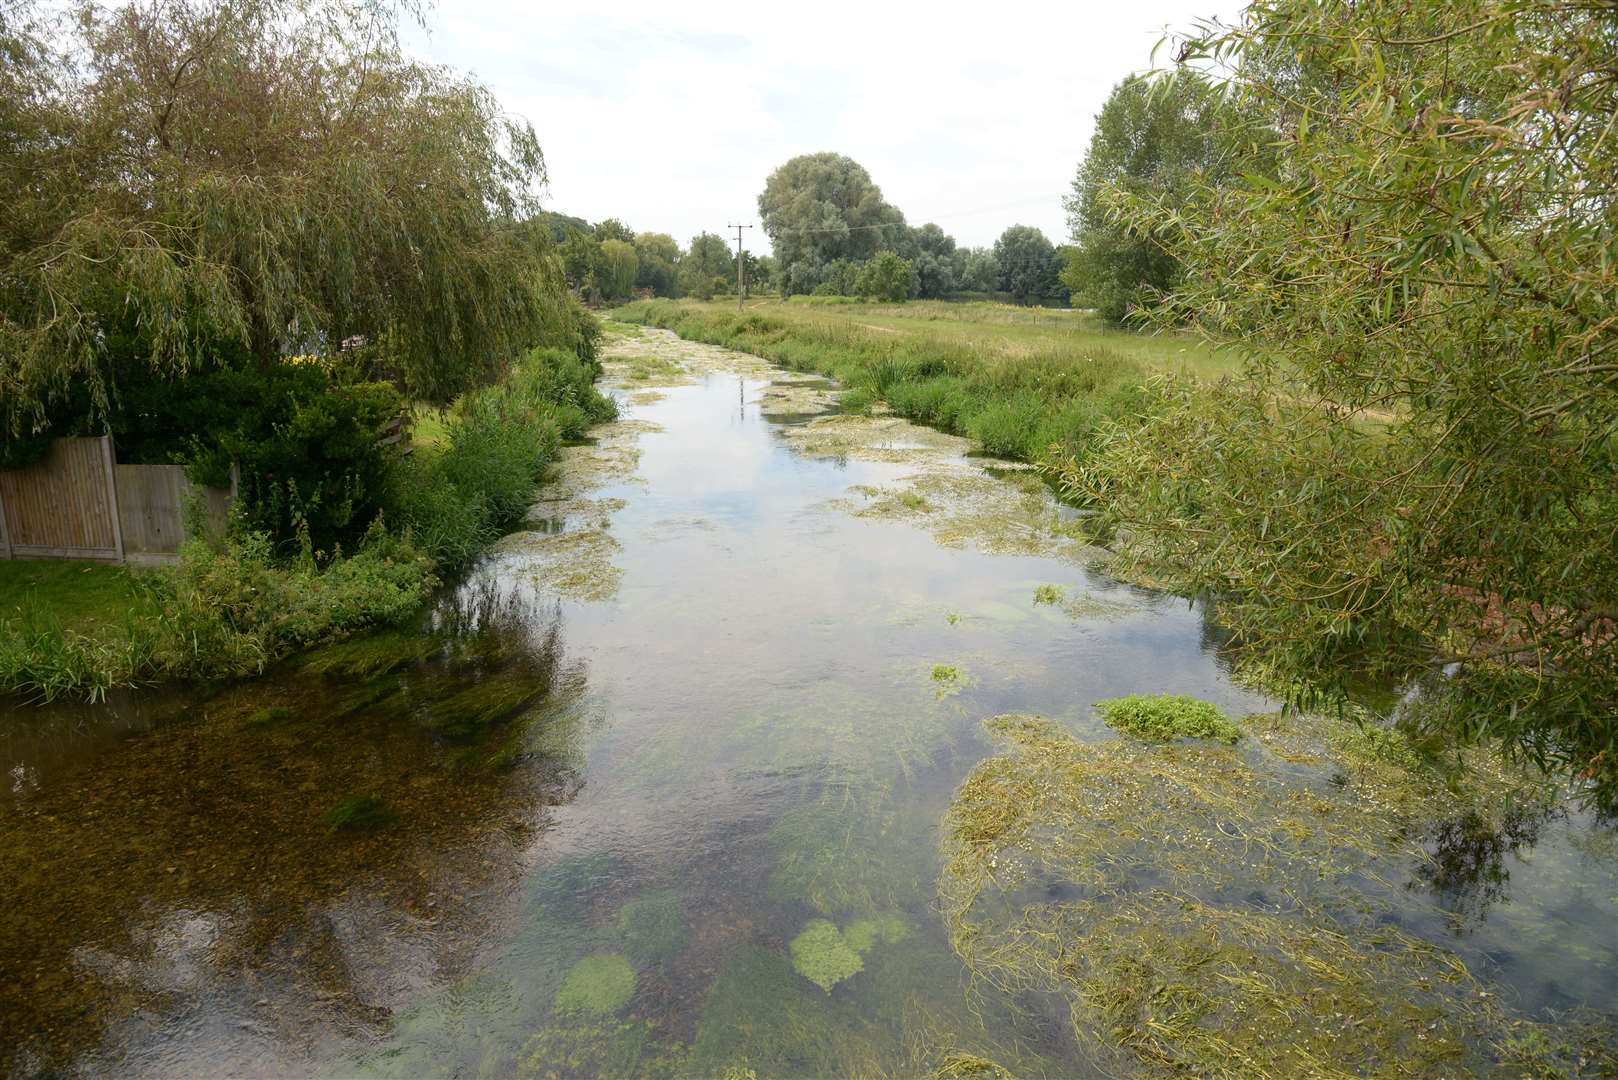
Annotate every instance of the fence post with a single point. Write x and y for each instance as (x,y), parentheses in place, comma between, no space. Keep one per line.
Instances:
(112,495)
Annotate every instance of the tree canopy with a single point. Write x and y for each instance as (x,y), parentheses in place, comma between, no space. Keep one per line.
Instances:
(818,208)
(1029,266)
(1420,478)
(1150,137)
(274,173)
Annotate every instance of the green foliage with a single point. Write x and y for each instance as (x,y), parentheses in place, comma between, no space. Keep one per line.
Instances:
(500,439)
(1030,269)
(1420,479)
(706,267)
(885,277)
(819,208)
(822,955)
(1157,138)
(266,174)
(232,609)
(657,261)
(1163,717)
(600,984)
(619,265)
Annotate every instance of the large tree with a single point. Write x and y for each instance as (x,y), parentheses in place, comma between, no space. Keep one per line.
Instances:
(273,173)
(1420,477)
(818,208)
(709,257)
(1159,137)
(1030,269)
(659,257)
(933,260)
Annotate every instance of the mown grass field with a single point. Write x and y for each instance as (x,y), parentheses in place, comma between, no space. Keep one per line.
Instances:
(1027,383)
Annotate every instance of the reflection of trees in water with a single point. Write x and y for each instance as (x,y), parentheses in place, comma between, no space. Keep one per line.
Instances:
(193,872)
(1466,867)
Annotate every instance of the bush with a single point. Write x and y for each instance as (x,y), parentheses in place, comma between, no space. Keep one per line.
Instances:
(500,440)
(232,609)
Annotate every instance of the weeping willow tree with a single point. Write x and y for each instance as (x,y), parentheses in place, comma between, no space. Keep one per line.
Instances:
(268,176)
(1420,477)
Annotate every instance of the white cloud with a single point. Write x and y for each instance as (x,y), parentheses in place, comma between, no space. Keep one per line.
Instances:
(670,117)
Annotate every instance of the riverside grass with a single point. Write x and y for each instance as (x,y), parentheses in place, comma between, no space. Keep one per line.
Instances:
(1019,390)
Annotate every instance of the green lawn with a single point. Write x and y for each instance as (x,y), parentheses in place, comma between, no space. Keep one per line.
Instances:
(84,596)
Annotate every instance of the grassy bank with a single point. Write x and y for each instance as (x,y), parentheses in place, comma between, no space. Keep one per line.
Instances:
(234,606)
(1018,380)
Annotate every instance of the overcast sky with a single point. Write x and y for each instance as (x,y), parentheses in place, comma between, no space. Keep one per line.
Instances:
(670,116)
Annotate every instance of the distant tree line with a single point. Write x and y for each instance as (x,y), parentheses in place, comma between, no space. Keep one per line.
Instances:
(609,261)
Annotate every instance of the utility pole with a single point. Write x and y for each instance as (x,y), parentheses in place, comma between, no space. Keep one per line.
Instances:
(741,285)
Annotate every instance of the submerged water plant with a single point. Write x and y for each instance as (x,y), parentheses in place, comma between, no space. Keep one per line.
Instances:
(1049,594)
(359,812)
(600,984)
(1160,717)
(822,955)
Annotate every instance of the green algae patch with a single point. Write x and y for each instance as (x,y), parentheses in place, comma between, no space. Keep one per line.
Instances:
(359,812)
(822,955)
(600,984)
(1160,717)
(1204,911)
(863,935)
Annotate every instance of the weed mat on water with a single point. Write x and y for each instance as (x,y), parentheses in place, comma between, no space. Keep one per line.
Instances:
(1221,911)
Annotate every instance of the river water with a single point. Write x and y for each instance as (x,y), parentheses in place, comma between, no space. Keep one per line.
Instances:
(723,683)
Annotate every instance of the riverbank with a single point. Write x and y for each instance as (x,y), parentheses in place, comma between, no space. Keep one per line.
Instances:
(234,606)
(1023,382)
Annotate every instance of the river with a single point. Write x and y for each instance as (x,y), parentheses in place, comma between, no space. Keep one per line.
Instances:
(582,820)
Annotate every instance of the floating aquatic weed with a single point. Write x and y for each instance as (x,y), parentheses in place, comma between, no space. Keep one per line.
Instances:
(822,955)
(1049,594)
(1168,716)
(576,565)
(1200,908)
(946,673)
(600,984)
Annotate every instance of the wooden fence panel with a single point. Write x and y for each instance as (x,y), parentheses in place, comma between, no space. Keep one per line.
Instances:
(64,506)
(153,501)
